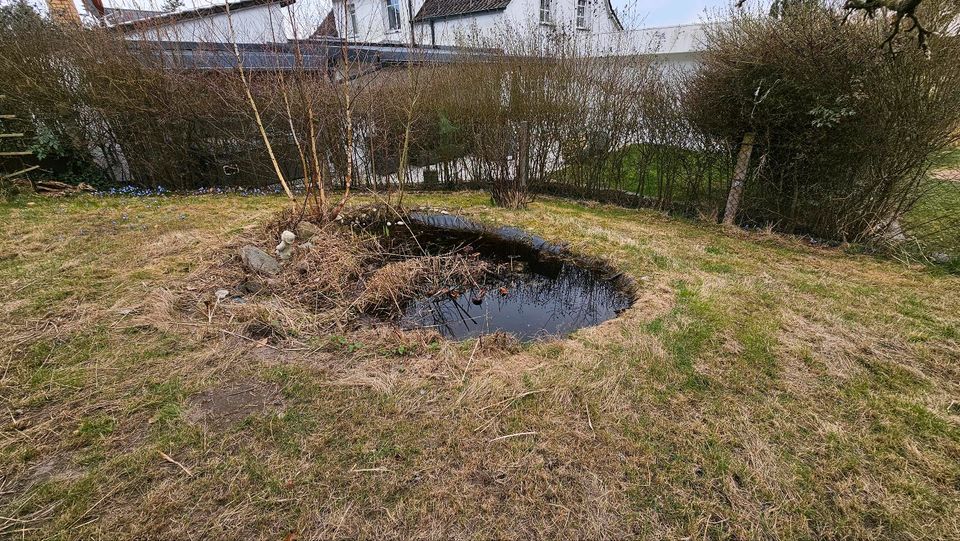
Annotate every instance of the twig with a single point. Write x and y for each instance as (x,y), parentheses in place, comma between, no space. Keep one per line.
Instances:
(370,470)
(343,518)
(589,420)
(509,402)
(463,378)
(172,461)
(515,397)
(516,435)
(253,105)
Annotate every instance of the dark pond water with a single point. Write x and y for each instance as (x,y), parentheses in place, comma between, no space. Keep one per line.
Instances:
(538,291)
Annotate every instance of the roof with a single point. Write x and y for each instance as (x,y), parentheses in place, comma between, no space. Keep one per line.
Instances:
(443,9)
(199,13)
(314,55)
(124,15)
(440,9)
(327,28)
(613,13)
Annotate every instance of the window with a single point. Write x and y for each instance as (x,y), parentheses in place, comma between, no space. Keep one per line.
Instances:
(545,16)
(583,14)
(393,15)
(352,26)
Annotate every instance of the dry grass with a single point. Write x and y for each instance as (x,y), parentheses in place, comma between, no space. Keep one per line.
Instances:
(759,389)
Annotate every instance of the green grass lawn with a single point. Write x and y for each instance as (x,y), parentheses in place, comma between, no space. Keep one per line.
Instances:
(935,220)
(933,223)
(759,388)
(622,171)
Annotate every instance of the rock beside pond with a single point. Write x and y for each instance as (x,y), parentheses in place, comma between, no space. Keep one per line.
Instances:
(306,230)
(941,258)
(257,260)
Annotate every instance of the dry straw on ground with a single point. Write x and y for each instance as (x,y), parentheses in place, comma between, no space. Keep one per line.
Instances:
(761,388)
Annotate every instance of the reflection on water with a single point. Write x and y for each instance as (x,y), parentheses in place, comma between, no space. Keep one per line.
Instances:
(535,294)
(529,306)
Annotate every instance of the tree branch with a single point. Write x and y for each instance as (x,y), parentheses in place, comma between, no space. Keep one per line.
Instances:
(902,9)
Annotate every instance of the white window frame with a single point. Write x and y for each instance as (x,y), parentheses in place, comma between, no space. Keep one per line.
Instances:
(583,15)
(393,6)
(546,12)
(352,28)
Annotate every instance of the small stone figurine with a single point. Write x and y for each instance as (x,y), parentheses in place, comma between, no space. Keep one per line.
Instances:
(285,248)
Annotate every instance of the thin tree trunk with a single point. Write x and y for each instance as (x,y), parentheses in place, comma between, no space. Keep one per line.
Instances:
(310,120)
(404,160)
(348,113)
(253,105)
(316,162)
(739,178)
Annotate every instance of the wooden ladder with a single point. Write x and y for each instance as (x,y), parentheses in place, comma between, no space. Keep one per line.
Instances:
(22,154)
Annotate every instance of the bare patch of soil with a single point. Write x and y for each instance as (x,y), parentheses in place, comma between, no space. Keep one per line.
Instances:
(220,407)
(951,175)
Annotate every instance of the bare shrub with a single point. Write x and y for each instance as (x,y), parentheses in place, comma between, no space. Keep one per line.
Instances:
(119,115)
(136,112)
(846,130)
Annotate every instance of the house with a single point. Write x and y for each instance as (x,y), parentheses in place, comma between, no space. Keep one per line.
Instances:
(449,22)
(385,29)
(253,21)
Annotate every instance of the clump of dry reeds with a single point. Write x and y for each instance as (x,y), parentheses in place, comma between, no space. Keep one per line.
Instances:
(392,285)
(323,275)
(333,281)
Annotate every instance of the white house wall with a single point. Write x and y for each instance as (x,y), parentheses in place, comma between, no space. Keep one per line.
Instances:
(522,14)
(372,22)
(673,47)
(675,63)
(258,24)
(456,31)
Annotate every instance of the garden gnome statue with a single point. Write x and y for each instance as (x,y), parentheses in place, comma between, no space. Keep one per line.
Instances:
(285,248)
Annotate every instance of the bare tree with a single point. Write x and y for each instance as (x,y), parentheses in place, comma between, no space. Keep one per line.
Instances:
(253,104)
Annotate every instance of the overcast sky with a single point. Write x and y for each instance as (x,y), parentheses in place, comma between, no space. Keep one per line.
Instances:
(665,12)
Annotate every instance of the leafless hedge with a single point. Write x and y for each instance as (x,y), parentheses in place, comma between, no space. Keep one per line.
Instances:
(845,129)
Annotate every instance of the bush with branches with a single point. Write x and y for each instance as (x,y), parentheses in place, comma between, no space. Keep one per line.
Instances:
(845,130)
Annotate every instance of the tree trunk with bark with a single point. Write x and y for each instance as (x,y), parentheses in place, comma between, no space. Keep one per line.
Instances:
(739,179)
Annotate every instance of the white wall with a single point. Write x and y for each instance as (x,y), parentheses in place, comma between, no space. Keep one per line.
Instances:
(259,24)
(372,21)
(676,47)
(525,14)
(684,38)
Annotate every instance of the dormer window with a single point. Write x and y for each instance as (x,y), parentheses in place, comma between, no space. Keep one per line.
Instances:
(546,17)
(393,15)
(583,14)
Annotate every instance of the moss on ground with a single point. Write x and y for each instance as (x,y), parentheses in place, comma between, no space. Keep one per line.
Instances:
(760,388)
